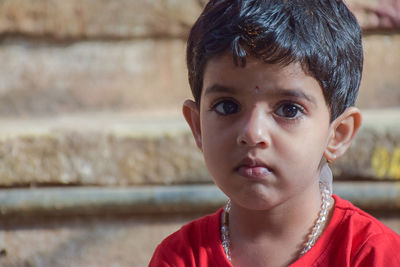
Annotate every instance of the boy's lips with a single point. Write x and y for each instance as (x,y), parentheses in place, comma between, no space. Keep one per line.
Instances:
(253,168)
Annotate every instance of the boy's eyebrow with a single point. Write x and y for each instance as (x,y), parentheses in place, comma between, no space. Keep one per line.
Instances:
(216,88)
(295,93)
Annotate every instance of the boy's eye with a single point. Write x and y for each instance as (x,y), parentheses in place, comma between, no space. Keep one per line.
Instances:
(288,110)
(226,107)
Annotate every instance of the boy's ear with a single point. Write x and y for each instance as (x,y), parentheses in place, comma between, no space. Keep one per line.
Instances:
(343,130)
(191,113)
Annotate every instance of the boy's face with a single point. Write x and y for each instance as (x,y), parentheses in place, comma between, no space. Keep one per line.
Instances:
(263,130)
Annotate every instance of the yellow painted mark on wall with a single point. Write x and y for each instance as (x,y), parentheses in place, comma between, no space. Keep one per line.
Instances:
(385,164)
(394,169)
(380,161)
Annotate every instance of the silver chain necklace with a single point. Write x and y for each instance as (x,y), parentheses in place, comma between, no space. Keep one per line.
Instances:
(316,231)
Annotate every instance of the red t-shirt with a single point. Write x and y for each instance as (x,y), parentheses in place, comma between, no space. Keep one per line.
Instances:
(352,238)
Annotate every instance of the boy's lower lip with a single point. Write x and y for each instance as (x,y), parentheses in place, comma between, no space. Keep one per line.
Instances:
(254,172)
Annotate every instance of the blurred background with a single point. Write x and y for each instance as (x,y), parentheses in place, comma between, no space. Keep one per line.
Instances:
(96,163)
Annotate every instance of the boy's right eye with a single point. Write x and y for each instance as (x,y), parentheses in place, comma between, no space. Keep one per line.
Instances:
(226,107)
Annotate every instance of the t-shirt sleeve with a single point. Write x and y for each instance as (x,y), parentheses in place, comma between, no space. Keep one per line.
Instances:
(159,259)
(379,250)
(195,244)
(170,253)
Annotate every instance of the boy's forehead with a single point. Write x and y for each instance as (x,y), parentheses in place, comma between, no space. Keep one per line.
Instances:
(223,69)
(222,63)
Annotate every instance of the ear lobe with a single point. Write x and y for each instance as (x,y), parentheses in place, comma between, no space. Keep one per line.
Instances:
(343,130)
(191,113)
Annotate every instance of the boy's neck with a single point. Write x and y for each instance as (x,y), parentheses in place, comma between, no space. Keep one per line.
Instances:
(293,214)
(284,226)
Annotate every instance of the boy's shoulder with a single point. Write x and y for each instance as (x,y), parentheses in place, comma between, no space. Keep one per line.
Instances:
(355,238)
(194,244)
(359,220)
(193,232)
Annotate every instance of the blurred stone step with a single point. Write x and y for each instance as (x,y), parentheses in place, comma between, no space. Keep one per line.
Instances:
(76,19)
(376,15)
(380,83)
(99,149)
(383,197)
(148,149)
(41,78)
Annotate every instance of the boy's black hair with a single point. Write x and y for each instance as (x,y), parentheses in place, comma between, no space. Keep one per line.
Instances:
(322,35)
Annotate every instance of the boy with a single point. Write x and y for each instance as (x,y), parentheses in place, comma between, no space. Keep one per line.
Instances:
(274,84)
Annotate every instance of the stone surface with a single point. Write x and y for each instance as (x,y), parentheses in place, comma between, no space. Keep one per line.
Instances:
(373,196)
(102,150)
(92,200)
(126,149)
(41,79)
(377,14)
(140,18)
(97,18)
(89,241)
(380,84)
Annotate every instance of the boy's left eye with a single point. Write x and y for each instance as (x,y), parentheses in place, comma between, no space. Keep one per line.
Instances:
(289,110)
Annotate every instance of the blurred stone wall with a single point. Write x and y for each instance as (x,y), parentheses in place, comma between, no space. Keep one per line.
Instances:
(75,56)
(90,95)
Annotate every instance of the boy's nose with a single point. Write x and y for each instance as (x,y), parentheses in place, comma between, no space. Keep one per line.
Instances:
(254,131)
